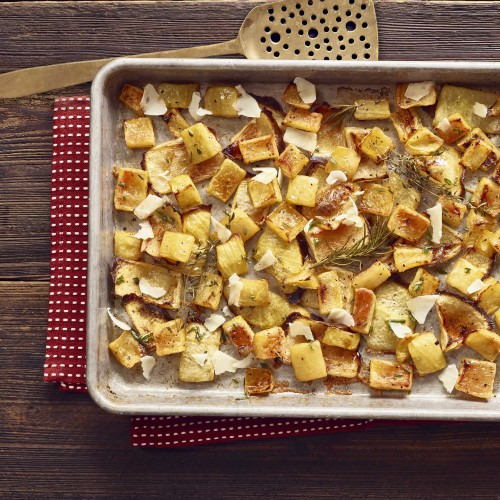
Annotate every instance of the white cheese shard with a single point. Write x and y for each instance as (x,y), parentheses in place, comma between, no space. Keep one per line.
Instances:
(306,90)
(445,126)
(418,90)
(223,362)
(147,206)
(341,316)
(299,328)
(335,176)
(235,287)
(421,306)
(480,110)
(280,177)
(153,291)
(351,216)
(400,330)
(449,377)
(118,323)
(147,363)
(152,104)
(267,260)
(214,321)
(436,215)
(245,362)
(266,175)
(303,140)
(200,358)
(223,233)
(475,286)
(194,109)
(246,105)
(312,230)
(146,231)
(226,311)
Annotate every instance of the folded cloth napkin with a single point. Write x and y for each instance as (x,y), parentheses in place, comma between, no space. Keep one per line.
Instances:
(65,354)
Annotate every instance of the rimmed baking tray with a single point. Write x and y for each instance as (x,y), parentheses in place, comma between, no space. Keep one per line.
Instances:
(120,391)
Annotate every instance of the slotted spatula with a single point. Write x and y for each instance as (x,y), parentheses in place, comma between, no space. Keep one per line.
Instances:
(288,29)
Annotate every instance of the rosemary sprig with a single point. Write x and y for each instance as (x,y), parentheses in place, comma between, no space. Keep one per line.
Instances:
(373,244)
(344,112)
(144,340)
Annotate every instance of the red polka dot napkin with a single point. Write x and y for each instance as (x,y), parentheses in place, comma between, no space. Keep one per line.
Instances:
(65,355)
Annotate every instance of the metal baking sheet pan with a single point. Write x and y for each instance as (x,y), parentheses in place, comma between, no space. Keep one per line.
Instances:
(119,390)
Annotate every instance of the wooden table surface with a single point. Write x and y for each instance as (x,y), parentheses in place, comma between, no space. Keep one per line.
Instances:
(58,445)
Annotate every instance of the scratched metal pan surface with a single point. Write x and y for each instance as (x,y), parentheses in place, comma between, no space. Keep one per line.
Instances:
(126,391)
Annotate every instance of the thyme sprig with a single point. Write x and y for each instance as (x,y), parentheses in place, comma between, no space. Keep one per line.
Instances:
(144,340)
(343,112)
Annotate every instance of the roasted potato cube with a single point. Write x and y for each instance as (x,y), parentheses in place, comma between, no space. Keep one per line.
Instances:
(483,244)
(302,190)
(343,363)
(139,133)
(364,307)
(127,246)
(310,299)
(177,247)
(258,381)
(242,201)
(304,278)
(209,291)
(403,194)
(453,211)
(408,224)
(475,135)
(178,95)
(453,128)
(307,361)
(240,334)
(264,195)
(487,196)
(302,119)
(402,352)
(424,283)
(185,191)
(291,161)
(292,97)
(489,298)
(405,102)
(254,293)
(200,143)
(169,337)
(476,378)
(329,292)
(406,122)
(341,338)
(475,155)
(175,122)
(231,257)
(462,275)
(196,222)
(286,222)
(269,344)
(408,257)
(240,223)
(372,277)
(485,342)
(376,145)
(389,375)
(377,200)
(226,180)
(344,159)
(426,353)
(131,96)
(126,350)
(259,149)
(131,188)
(423,143)
(372,110)
(478,151)
(221,100)
(475,223)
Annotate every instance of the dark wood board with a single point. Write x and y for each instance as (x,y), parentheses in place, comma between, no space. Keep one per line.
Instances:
(59,445)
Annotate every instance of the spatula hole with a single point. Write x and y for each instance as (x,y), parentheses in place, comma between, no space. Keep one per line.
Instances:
(351,2)
(276,54)
(338,19)
(367,56)
(288,31)
(326,29)
(270,11)
(350,26)
(362,38)
(300,32)
(325,11)
(348,13)
(275,37)
(329,48)
(311,53)
(310,2)
(326,40)
(283,21)
(271,18)
(317,46)
(354,56)
(307,43)
(313,33)
(283,8)
(339,58)
(285,46)
(351,41)
(296,52)
(342,47)
(267,29)
(322,20)
(340,37)
(301,12)
(335,7)
(292,15)
(367,45)
(363,6)
(364,25)
(358,16)
(263,39)
(326,58)
(269,49)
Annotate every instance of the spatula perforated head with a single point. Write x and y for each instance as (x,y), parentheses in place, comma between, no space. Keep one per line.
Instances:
(311,29)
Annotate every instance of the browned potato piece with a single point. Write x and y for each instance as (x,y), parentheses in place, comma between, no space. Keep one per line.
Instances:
(476,378)
(264,195)
(424,283)
(389,375)
(303,119)
(127,246)
(364,307)
(291,161)
(269,344)
(453,128)
(259,149)
(131,188)
(485,342)
(377,200)
(372,109)
(220,100)
(292,97)
(408,224)
(487,196)
(258,381)
(175,122)
(407,102)
(406,122)
(131,96)
(343,363)
(376,145)
(453,211)
(240,334)
(209,291)
(226,180)
(286,222)
(126,350)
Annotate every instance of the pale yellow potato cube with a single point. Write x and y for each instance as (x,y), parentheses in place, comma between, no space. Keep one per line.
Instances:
(286,222)
(302,119)
(239,222)
(240,334)
(485,342)
(292,97)
(489,298)
(426,353)
(368,109)
(264,195)
(453,211)
(127,246)
(200,143)
(291,161)
(177,247)
(209,291)
(131,97)
(178,95)
(254,293)
(341,338)
(329,292)
(424,283)
(377,200)
(344,159)
(407,223)
(307,361)
(231,257)
(131,188)
(407,102)
(196,221)
(220,100)
(462,275)
(372,277)
(406,122)
(139,133)
(171,339)
(342,363)
(423,143)
(376,145)
(259,149)
(175,122)
(126,350)
(487,196)
(302,191)
(454,130)
(408,257)
(269,344)
(226,180)
(185,191)
(390,375)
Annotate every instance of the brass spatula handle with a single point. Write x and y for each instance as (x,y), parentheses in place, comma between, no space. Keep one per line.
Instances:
(56,76)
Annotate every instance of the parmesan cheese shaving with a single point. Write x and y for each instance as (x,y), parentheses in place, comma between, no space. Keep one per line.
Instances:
(235,287)
(335,176)
(245,362)
(341,316)
(118,323)
(445,126)
(226,311)
(308,228)
(475,286)
(214,321)
(147,363)
(449,377)
(146,231)
(200,358)
(400,330)
(194,107)
(267,260)
(417,91)
(301,139)
(436,215)
(147,206)
(351,216)
(280,177)
(266,175)
(152,104)
(306,90)
(223,362)
(298,328)
(480,110)
(223,233)
(153,291)
(246,105)
(421,306)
